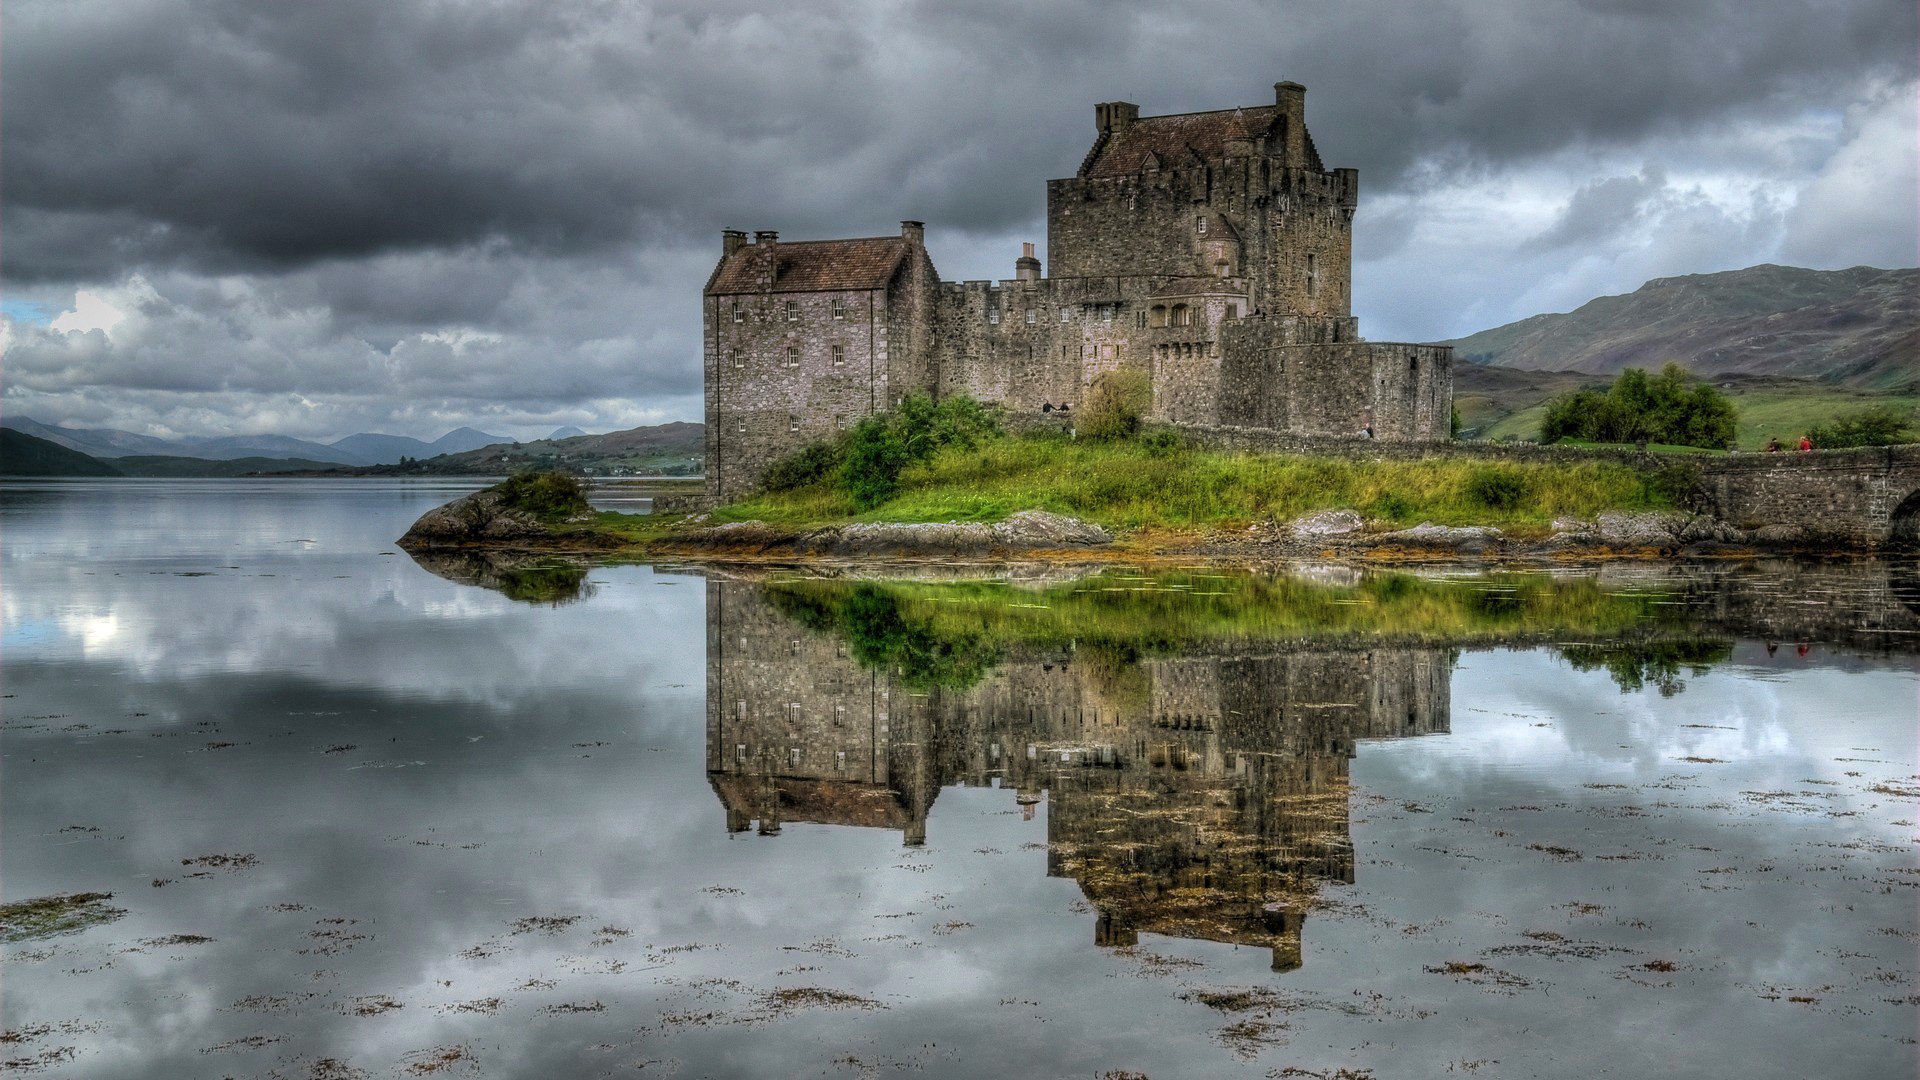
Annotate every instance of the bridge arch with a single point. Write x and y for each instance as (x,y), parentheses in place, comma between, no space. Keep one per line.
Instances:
(1904,524)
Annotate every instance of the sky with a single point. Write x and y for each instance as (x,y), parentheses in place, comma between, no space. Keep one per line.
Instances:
(225,217)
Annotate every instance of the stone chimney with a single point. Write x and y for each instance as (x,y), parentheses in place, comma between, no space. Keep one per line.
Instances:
(766,260)
(1114,117)
(731,240)
(1291,98)
(766,236)
(914,232)
(1026,267)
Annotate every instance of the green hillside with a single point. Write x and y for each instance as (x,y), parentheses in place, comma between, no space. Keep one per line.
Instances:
(1859,327)
(22,454)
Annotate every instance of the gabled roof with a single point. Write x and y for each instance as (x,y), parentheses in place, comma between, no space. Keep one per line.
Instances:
(812,266)
(1177,139)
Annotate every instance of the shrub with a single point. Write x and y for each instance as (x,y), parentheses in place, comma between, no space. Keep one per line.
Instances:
(1670,407)
(1497,488)
(1162,441)
(1115,403)
(808,465)
(881,446)
(550,496)
(1881,426)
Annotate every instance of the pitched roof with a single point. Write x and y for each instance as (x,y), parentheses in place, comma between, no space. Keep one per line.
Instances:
(1174,140)
(812,266)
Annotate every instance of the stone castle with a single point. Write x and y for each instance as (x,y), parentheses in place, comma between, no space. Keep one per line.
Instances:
(1201,795)
(1210,251)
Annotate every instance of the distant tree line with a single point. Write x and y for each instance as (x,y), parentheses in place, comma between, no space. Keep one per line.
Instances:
(1671,407)
(1881,426)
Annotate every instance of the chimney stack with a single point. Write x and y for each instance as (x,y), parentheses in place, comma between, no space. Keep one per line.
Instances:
(914,232)
(766,236)
(731,240)
(1026,267)
(1114,117)
(1291,98)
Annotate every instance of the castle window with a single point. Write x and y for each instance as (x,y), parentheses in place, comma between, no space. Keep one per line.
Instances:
(740,708)
(793,422)
(839,355)
(740,751)
(1107,312)
(1064,315)
(1233,311)
(839,421)
(839,309)
(993,315)
(1033,316)
(793,311)
(739,313)
(1181,315)
(742,428)
(793,757)
(1140,320)
(1200,226)
(1313,277)
(739,359)
(793,356)
(1159,314)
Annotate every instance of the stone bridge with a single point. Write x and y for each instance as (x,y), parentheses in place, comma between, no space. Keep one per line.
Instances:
(1869,497)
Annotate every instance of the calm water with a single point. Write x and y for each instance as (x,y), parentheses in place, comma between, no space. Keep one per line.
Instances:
(361,817)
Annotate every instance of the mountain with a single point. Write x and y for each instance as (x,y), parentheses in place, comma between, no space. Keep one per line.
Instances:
(112,443)
(372,448)
(674,449)
(462,439)
(568,432)
(97,442)
(22,454)
(225,447)
(1859,327)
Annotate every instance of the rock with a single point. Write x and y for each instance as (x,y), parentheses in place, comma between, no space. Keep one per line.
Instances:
(471,519)
(1327,523)
(1038,528)
(1642,530)
(1779,534)
(1456,537)
(1704,529)
(1028,530)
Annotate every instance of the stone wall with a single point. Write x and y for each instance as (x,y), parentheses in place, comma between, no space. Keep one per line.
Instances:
(1404,392)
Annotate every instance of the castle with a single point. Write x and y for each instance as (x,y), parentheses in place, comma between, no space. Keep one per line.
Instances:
(1210,251)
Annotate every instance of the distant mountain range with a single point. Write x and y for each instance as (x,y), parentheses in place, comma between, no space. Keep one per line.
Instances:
(363,449)
(1859,327)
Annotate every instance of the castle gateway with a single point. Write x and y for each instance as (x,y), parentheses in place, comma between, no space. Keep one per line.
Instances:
(1211,251)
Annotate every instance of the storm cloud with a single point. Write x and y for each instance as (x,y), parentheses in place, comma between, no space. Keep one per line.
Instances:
(364,214)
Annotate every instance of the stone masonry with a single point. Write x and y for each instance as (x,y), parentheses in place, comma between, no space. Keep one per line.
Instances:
(1210,251)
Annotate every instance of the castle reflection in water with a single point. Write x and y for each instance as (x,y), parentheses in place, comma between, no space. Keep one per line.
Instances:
(1200,792)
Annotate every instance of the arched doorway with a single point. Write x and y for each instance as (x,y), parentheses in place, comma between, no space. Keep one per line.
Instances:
(1904,526)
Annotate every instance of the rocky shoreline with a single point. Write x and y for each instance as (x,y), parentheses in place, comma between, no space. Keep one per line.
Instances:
(479,522)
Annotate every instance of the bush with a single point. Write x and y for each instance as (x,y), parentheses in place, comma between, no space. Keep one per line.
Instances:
(1671,407)
(808,465)
(881,446)
(1881,426)
(1497,488)
(1162,441)
(550,496)
(1115,403)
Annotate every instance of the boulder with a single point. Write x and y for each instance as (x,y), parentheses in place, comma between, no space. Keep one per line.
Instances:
(472,519)
(1327,523)
(1026,530)
(1656,529)
(1040,529)
(1469,538)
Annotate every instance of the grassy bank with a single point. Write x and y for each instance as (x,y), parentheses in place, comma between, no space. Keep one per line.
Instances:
(1130,485)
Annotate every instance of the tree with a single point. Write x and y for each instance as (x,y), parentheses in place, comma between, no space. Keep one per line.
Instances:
(1671,407)
(1879,426)
(1115,403)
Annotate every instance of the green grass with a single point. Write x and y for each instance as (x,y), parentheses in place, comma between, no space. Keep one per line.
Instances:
(953,633)
(1767,412)
(1128,486)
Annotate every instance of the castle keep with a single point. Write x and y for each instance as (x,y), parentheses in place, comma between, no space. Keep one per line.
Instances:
(1210,251)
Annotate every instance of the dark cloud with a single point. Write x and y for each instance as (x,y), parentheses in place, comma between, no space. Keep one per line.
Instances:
(413,168)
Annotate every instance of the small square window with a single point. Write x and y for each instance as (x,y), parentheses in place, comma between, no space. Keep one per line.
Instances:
(793,356)
(993,315)
(1065,314)
(839,355)
(793,422)
(1033,316)
(793,311)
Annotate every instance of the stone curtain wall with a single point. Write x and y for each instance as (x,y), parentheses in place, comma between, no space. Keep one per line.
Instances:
(1405,392)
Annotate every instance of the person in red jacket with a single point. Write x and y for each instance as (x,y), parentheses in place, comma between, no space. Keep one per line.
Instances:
(1806,444)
